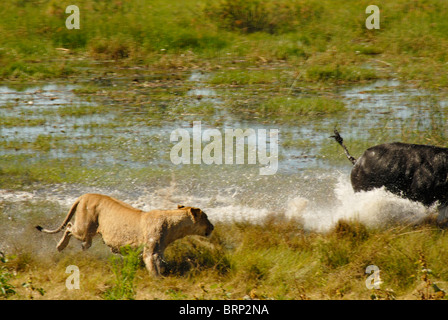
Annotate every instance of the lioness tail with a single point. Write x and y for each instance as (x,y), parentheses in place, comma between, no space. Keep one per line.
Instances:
(64,224)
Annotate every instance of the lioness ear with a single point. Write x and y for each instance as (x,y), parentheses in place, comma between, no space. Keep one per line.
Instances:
(179,206)
(195,212)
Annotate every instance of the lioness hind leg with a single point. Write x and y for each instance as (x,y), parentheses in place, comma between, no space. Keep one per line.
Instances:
(86,244)
(84,233)
(65,238)
(70,231)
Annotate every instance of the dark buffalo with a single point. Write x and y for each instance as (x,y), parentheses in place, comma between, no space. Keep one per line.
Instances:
(416,172)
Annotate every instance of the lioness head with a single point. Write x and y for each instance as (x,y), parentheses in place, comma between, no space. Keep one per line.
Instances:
(202,225)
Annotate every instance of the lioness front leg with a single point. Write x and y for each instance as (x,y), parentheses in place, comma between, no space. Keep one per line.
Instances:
(153,262)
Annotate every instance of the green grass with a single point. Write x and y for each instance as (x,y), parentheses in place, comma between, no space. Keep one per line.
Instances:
(77,111)
(24,171)
(273,260)
(286,108)
(339,73)
(325,39)
(247,77)
(301,106)
(6,288)
(124,269)
(274,17)
(12,121)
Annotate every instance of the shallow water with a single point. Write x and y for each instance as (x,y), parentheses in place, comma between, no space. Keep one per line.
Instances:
(306,186)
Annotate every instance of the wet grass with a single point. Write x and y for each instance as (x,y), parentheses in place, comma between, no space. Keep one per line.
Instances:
(77,111)
(338,73)
(301,106)
(283,108)
(249,77)
(75,140)
(21,122)
(25,171)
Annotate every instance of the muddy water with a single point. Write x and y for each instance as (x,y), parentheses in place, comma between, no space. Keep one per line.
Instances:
(306,186)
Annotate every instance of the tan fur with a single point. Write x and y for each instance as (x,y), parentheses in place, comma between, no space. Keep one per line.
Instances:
(120,224)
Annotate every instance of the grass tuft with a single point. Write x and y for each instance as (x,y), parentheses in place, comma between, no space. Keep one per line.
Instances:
(301,106)
(124,268)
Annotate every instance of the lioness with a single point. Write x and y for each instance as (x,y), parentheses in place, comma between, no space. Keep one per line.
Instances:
(120,224)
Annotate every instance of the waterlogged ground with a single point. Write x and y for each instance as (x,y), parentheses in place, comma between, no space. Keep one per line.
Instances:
(111,135)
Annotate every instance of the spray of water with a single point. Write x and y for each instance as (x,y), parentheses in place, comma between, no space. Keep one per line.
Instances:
(377,208)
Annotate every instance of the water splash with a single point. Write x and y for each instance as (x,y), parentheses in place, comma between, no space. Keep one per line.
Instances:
(376,208)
